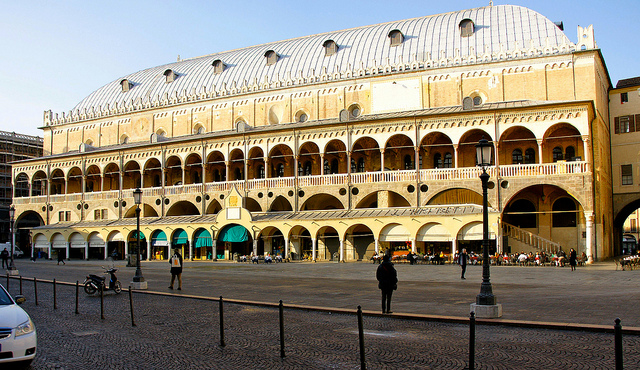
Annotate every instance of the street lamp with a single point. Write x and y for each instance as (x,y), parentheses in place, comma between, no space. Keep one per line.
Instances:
(12,267)
(138,279)
(486,297)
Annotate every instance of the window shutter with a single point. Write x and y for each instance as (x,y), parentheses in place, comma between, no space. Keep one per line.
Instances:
(637,122)
(632,124)
(616,124)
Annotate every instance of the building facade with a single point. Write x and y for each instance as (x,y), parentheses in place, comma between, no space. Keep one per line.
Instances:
(339,145)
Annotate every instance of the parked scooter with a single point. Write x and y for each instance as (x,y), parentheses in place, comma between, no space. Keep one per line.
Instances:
(93,283)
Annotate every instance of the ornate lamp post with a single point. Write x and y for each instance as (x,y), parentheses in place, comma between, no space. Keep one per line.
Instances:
(485,306)
(138,279)
(12,267)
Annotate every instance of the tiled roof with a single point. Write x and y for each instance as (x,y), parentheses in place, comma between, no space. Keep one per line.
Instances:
(628,82)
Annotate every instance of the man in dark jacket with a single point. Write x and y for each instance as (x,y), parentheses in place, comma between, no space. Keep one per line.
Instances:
(176,269)
(463,258)
(387,282)
(5,257)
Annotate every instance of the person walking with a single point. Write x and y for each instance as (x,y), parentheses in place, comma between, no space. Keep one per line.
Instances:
(463,257)
(5,258)
(61,254)
(176,269)
(573,259)
(387,282)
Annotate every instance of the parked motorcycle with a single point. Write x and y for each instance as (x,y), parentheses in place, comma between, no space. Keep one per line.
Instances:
(93,283)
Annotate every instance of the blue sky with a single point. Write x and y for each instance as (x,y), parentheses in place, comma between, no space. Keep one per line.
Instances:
(56,53)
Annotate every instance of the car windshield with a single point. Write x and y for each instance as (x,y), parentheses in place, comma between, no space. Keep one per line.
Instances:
(4,297)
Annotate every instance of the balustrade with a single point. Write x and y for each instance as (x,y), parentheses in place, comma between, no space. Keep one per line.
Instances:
(466,173)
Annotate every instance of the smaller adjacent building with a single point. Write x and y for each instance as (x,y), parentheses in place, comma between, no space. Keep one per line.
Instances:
(624,114)
(14,147)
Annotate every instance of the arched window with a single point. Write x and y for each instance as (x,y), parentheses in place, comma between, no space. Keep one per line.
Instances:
(466,27)
(396,37)
(260,171)
(272,57)
(361,165)
(570,153)
(169,75)
(437,160)
(218,66)
(557,154)
(448,160)
(354,110)
(408,163)
(530,156)
(516,157)
(564,213)
(330,48)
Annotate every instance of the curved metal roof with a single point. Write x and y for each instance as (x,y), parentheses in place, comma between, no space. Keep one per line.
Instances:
(497,29)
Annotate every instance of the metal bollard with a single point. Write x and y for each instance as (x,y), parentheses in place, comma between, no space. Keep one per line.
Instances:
(281,308)
(77,290)
(472,340)
(55,302)
(617,332)
(35,289)
(222,344)
(102,303)
(20,284)
(363,365)
(7,281)
(133,323)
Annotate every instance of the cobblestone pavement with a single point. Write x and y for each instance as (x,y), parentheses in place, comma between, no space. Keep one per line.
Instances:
(175,332)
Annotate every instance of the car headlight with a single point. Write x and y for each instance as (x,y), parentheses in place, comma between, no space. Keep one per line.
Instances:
(25,328)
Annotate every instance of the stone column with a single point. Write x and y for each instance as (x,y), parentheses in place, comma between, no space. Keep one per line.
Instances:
(539,151)
(67,246)
(313,249)
(585,145)
(454,247)
(455,156)
(255,247)
(149,250)
(86,250)
(589,247)
(214,252)
(413,246)
(286,248)
(382,159)
(376,245)
(341,250)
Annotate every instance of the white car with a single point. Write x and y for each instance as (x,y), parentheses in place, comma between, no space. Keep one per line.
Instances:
(18,339)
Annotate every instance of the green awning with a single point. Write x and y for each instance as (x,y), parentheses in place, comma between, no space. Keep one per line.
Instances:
(180,237)
(234,234)
(159,236)
(203,239)
(133,237)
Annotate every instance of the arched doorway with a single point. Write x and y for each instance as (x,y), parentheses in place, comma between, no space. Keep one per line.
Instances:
(233,241)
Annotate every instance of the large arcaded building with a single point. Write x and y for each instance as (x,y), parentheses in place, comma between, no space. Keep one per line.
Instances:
(337,145)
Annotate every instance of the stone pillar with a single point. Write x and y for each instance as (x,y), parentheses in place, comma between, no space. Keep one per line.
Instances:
(286,248)
(86,250)
(313,249)
(214,252)
(382,160)
(341,250)
(454,247)
(585,145)
(413,246)
(455,155)
(149,250)
(589,247)
(49,250)
(539,151)
(106,250)
(376,245)
(255,247)
(190,242)
(67,246)
(321,164)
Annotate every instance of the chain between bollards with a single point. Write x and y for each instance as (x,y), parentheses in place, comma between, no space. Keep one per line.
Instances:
(617,332)
(55,301)
(472,340)
(363,365)
(77,290)
(133,323)
(281,308)
(222,344)
(35,289)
